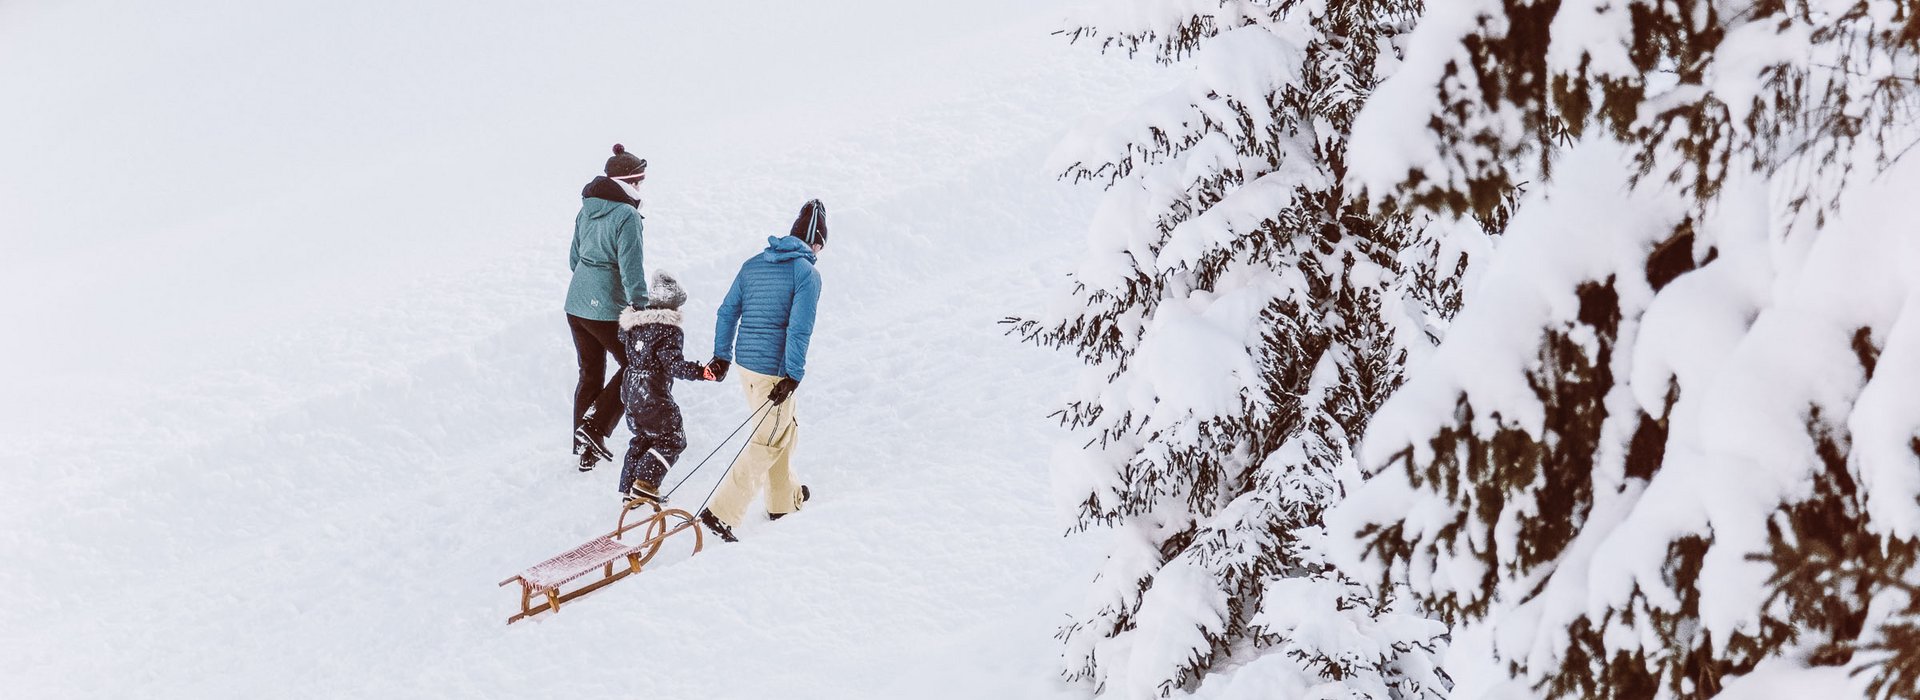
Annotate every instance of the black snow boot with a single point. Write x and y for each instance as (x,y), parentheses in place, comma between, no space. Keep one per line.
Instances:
(719,529)
(806,494)
(593,448)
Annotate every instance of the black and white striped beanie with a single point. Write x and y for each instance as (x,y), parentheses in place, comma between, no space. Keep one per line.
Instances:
(812,224)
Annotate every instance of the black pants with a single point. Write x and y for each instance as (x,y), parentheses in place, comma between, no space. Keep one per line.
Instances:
(596,400)
(658,440)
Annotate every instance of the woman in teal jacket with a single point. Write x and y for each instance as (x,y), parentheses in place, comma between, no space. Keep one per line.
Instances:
(607,278)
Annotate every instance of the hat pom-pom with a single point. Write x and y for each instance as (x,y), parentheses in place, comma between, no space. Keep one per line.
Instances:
(619,149)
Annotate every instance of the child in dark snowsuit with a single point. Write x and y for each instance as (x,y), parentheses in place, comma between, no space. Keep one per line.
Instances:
(654,343)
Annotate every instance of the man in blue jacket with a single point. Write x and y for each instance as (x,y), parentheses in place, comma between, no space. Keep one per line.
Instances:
(770,312)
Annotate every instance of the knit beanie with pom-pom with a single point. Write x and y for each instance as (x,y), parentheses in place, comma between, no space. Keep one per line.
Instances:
(624,164)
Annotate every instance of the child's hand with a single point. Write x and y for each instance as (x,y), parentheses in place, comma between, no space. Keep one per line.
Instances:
(716,369)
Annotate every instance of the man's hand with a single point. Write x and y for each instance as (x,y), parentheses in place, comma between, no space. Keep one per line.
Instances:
(717,369)
(783,390)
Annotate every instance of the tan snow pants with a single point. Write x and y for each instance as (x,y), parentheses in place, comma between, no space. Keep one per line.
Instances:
(765,461)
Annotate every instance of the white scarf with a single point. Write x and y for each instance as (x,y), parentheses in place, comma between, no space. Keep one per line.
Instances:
(632,191)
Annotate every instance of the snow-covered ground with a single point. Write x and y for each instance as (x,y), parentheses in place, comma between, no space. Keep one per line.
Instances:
(285,375)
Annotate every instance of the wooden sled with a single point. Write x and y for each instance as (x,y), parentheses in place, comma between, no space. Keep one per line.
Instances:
(545,578)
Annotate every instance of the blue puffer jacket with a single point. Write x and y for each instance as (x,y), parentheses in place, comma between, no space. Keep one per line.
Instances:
(771,305)
(606,259)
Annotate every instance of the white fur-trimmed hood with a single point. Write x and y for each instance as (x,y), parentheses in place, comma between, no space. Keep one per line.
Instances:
(634,317)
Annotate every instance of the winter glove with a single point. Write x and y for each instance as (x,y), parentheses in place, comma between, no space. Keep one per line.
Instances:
(783,390)
(717,369)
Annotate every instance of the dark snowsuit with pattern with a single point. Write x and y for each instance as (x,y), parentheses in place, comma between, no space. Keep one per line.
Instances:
(654,344)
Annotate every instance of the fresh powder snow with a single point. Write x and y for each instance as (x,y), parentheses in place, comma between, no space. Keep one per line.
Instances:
(286,372)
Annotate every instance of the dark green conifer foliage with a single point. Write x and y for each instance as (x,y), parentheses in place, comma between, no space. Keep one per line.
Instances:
(1231,504)
(1811,126)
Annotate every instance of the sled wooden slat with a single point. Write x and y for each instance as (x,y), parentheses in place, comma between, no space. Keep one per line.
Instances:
(543,580)
(562,569)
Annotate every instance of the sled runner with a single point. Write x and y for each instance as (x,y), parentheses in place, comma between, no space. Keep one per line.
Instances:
(545,578)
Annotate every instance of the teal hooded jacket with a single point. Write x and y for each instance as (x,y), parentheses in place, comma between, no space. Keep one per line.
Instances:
(606,261)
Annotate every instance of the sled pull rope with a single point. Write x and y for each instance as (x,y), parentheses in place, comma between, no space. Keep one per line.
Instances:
(723,443)
(736,457)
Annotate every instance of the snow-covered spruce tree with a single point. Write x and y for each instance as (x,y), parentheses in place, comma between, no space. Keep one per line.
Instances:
(1671,439)
(1242,317)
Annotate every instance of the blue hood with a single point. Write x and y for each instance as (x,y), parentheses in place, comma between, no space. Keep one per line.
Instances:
(784,248)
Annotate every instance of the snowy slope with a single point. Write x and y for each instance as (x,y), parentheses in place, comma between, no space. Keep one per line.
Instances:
(308,423)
